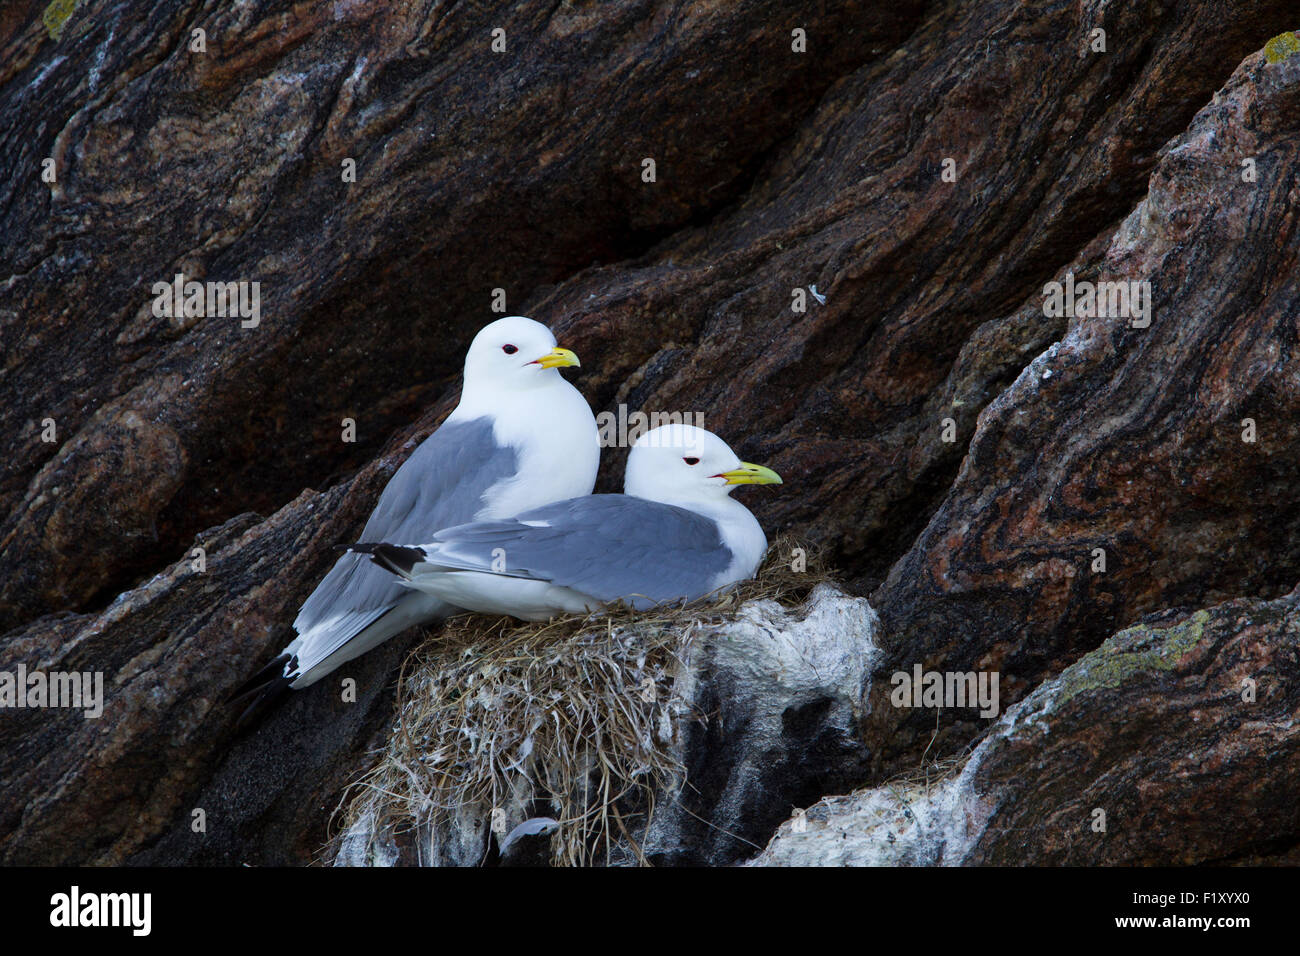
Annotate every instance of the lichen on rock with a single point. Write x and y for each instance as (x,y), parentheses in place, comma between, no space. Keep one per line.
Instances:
(1141,649)
(57,14)
(1164,758)
(1281,46)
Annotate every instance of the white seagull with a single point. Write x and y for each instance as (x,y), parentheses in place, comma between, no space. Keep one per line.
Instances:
(674,535)
(521,437)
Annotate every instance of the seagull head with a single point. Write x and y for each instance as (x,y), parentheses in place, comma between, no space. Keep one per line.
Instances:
(682,464)
(514,353)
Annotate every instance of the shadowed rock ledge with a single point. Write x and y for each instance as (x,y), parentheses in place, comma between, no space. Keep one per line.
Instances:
(959,455)
(1175,742)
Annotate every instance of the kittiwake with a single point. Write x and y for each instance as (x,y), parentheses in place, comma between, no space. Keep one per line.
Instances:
(674,535)
(521,436)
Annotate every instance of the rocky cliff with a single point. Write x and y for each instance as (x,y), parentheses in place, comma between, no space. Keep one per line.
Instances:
(829,229)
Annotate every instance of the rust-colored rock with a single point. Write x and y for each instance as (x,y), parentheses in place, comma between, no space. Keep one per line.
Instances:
(1174,743)
(1171,451)
(474,171)
(522,171)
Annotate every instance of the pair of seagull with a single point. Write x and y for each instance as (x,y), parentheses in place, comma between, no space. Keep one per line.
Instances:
(493,513)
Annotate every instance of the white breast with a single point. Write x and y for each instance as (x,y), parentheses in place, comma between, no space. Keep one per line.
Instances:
(743,536)
(554,434)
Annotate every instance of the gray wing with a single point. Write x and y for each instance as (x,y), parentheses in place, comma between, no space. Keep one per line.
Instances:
(605,546)
(441,484)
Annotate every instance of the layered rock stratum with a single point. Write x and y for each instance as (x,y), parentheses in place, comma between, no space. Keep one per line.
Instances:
(840,263)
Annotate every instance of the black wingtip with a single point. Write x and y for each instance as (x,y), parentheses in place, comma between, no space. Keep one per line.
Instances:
(263,691)
(393,557)
(264,700)
(270,671)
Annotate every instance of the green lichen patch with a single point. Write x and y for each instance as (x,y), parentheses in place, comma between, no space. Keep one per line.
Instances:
(1154,649)
(1281,46)
(56,15)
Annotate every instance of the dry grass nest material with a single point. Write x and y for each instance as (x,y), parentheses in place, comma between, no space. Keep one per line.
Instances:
(574,717)
(923,781)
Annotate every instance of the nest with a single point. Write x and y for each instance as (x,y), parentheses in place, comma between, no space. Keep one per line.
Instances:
(574,718)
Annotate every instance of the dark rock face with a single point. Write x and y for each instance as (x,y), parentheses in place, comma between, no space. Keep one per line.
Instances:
(79,790)
(1173,448)
(522,170)
(918,272)
(1175,742)
(1209,698)
(512,169)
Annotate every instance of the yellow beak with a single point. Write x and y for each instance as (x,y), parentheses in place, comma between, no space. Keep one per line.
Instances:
(748,474)
(557,358)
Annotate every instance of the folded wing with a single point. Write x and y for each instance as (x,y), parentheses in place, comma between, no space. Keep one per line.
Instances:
(441,484)
(605,546)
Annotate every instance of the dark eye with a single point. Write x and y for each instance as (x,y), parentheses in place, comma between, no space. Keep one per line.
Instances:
(509,349)
(691,461)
